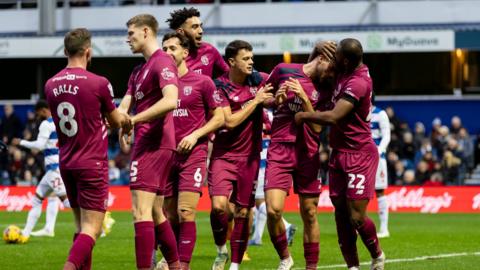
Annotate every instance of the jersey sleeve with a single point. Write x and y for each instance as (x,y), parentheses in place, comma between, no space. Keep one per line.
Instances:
(384,124)
(131,83)
(219,95)
(166,72)
(354,91)
(106,97)
(273,79)
(42,138)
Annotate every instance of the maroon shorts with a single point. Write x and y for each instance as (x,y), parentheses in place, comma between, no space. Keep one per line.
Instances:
(352,174)
(149,170)
(188,173)
(286,164)
(235,177)
(87,188)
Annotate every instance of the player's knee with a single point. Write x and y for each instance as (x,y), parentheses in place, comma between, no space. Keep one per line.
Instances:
(309,215)
(218,209)
(186,214)
(357,219)
(142,213)
(274,213)
(241,212)
(36,201)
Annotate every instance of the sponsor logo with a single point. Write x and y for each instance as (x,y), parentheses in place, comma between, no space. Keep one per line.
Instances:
(216,96)
(415,198)
(167,74)
(187,90)
(204,60)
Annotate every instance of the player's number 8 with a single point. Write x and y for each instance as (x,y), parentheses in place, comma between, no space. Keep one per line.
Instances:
(67,118)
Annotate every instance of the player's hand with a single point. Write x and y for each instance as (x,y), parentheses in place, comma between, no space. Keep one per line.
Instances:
(127,124)
(263,94)
(299,118)
(187,143)
(125,140)
(326,48)
(295,86)
(281,94)
(15,142)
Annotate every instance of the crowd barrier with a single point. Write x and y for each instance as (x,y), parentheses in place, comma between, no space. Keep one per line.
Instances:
(400,199)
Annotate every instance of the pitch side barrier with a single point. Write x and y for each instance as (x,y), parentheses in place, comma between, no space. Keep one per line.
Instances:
(400,199)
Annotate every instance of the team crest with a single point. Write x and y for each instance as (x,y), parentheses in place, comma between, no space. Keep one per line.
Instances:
(216,96)
(204,60)
(253,90)
(315,95)
(167,74)
(235,98)
(139,95)
(187,90)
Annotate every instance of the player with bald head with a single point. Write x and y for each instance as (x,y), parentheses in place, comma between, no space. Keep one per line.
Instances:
(354,159)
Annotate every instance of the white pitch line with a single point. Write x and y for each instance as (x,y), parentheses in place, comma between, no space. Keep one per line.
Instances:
(414,259)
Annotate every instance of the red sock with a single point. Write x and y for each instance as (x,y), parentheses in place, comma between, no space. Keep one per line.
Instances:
(80,251)
(281,245)
(347,238)
(368,233)
(144,243)
(310,252)
(239,239)
(219,225)
(167,243)
(186,242)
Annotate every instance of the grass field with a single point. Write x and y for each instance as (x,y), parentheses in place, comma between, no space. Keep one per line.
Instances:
(450,241)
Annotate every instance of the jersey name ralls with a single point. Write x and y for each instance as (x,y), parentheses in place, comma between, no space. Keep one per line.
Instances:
(65,89)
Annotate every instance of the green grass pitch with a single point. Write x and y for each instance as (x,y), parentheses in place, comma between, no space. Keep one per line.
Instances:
(450,241)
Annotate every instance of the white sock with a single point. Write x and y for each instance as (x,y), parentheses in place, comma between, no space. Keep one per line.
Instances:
(66,203)
(222,249)
(33,216)
(52,211)
(234,266)
(383,213)
(260,221)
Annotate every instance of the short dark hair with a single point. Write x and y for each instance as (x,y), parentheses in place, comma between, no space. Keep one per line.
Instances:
(179,16)
(184,42)
(352,50)
(77,41)
(41,104)
(233,47)
(144,20)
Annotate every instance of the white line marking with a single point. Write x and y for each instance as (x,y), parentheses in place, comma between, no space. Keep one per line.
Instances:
(414,259)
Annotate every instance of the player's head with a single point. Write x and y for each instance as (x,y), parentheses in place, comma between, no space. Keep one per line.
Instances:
(42,110)
(239,55)
(142,28)
(176,45)
(78,44)
(187,21)
(324,74)
(349,55)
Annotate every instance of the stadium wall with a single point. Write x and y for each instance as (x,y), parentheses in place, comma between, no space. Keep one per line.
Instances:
(400,199)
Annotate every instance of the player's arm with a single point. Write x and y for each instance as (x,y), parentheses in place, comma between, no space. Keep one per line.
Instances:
(217,121)
(296,87)
(126,104)
(232,120)
(166,104)
(117,119)
(343,107)
(384,124)
(40,143)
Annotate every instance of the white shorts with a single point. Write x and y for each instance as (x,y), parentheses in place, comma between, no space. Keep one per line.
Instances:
(381,180)
(51,182)
(259,192)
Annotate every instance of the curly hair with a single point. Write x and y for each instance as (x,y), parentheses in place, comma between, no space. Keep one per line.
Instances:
(179,16)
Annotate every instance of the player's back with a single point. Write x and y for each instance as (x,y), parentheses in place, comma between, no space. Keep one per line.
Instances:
(78,100)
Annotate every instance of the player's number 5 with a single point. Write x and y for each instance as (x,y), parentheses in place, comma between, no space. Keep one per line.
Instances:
(72,127)
(133,170)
